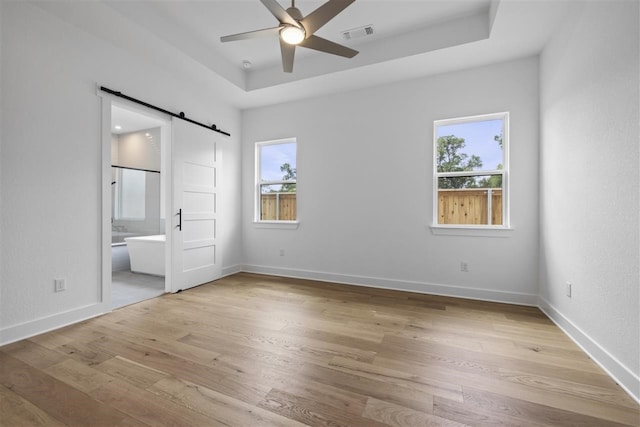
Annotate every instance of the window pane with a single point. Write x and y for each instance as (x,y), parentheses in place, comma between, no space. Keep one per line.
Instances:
(276,182)
(278,162)
(472,146)
(278,202)
(482,181)
(132,198)
(470,200)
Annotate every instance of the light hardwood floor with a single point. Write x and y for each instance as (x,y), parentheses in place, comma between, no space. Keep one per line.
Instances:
(252,350)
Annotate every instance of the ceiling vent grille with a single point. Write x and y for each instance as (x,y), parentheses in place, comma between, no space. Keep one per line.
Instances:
(357,33)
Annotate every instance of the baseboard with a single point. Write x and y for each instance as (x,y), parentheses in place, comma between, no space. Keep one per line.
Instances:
(49,323)
(399,285)
(625,378)
(231,269)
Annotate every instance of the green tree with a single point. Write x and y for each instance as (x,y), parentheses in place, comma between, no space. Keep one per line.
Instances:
(450,159)
(494,181)
(290,174)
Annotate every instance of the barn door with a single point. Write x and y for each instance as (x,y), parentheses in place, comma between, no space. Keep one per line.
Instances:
(196,257)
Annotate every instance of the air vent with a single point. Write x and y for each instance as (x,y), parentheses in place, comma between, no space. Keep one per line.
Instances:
(357,33)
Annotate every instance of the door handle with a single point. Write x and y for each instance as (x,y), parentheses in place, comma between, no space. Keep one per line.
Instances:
(179,219)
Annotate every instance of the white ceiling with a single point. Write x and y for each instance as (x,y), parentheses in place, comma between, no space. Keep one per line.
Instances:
(204,22)
(412,38)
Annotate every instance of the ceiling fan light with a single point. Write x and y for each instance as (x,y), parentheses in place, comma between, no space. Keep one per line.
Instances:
(292,35)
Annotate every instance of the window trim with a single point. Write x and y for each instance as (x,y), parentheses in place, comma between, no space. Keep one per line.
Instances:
(280,224)
(473,229)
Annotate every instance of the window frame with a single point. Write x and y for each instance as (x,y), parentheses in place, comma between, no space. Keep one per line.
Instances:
(456,229)
(258,184)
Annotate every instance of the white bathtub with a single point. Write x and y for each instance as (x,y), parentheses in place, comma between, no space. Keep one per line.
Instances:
(147,254)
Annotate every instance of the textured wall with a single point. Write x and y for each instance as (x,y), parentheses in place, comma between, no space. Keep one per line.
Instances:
(1,127)
(136,150)
(590,181)
(369,152)
(51,160)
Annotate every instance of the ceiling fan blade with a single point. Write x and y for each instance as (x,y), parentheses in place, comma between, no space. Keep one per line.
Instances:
(279,12)
(288,52)
(325,13)
(327,46)
(252,34)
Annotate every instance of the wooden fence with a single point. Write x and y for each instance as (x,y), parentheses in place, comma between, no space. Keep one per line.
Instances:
(455,206)
(470,206)
(278,206)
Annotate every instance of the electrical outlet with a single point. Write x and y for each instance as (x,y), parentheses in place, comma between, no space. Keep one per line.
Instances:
(59,285)
(281,252)
(569,289)
(464,266)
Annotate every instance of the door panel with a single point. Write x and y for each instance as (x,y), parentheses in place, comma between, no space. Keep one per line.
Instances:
(197,229)
(198,202)
(196,256)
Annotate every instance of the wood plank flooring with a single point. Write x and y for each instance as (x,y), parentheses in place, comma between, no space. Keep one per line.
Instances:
(251,350)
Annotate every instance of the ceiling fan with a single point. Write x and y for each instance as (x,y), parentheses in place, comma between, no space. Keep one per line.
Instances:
(297,30)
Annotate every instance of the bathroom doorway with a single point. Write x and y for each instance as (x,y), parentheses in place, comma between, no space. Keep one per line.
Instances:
(137,206)
(189,174)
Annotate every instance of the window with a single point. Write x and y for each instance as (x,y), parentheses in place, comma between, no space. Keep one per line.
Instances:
(471,169)
(276,183)
(129,200)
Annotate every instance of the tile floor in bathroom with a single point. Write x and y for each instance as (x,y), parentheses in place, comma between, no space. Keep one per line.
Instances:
(127,287)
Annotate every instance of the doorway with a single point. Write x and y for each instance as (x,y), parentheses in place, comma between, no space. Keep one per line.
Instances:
(188,198)
(138,159)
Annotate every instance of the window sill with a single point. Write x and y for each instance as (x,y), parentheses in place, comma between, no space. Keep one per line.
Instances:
(279,225)
(470,231)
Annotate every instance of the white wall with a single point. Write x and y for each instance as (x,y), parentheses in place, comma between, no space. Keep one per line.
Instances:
(136,150)
(115,155)
(365,187)
(1,127)
(590,184)
(51,162)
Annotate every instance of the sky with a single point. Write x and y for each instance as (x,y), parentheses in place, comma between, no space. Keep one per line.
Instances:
(478,137)
(275,155)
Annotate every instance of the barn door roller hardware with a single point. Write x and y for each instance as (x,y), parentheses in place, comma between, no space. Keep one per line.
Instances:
(162,110)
